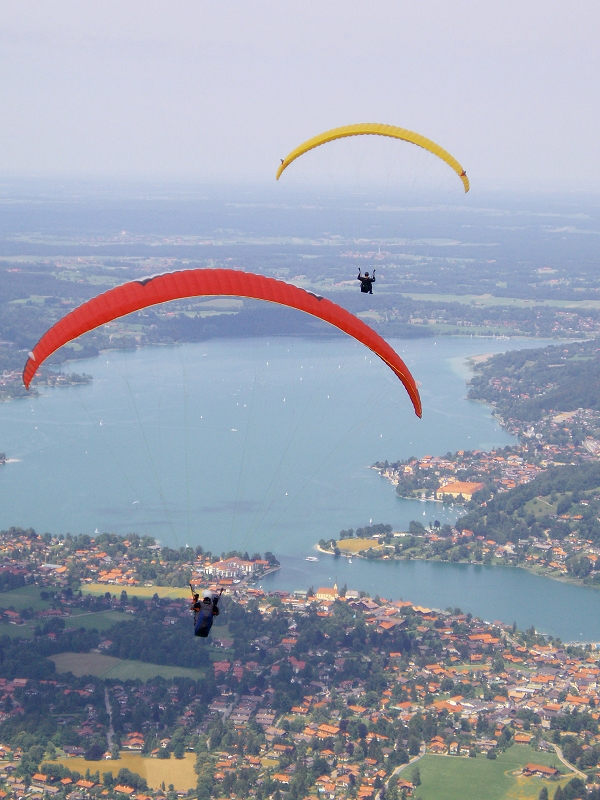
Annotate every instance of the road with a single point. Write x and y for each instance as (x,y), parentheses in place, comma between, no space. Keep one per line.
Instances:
(111,731)
(564,761)
(399,769)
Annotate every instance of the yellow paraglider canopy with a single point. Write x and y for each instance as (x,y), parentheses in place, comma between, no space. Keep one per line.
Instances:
(376,129)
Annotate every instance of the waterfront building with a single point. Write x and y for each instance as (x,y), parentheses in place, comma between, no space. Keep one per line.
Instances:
(456,488)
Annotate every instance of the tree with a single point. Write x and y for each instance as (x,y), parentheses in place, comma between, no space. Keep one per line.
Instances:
(575,788)
(94,752)
(416,777)
(543,795)
(414,746)
(178,749)
(416,528)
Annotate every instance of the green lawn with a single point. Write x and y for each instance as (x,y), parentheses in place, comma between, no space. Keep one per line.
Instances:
(17,631)
(25,597)
(130,670)
(29,597)
(452,778)
(100,620)
(117,668)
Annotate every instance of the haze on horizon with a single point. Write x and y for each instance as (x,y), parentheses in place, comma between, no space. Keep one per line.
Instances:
(201,91)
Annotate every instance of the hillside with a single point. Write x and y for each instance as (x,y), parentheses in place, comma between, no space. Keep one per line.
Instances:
(523,385)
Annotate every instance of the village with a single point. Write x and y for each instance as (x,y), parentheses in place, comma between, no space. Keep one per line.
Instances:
(324,696)
(110,560)
(521,508)
(565,438)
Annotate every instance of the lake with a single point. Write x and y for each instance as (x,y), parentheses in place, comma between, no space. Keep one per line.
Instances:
(265,444)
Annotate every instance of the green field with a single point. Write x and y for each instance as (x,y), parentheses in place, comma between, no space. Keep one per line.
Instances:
(26,597)
(18,599)
(29,597)
(490,300)
(452,778)
(179,772)
(540,507)
(117,668)
(100,620)
(17,631)
(139,591)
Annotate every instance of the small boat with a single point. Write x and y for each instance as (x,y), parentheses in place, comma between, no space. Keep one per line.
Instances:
(311,558)
(349,560)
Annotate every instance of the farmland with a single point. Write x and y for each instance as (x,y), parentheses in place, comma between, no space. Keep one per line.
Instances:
(356,545)
(120,669)
(173,592)
(179,772)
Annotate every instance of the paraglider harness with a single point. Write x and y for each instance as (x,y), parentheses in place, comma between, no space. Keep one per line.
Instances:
(204,613)
(366,282)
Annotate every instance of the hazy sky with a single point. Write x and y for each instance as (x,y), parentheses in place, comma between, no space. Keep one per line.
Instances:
(220,90)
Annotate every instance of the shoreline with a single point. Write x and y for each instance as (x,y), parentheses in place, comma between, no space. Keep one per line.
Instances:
(532,570)
(471,363)
(34,390)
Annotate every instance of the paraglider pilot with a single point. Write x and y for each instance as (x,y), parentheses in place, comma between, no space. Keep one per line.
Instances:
(366,283)
(204,612)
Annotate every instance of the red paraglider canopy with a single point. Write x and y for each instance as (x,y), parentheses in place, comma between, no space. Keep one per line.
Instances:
(156,289)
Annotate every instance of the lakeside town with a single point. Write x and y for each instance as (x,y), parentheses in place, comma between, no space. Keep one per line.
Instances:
(104,692)
(110,560)
(534,504)
(325,694)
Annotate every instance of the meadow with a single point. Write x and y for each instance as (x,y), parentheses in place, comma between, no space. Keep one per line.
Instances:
(25,597)
(100,620)
(118,668)
(452,778)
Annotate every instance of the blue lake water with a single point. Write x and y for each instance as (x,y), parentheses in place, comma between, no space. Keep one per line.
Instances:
(265,444)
